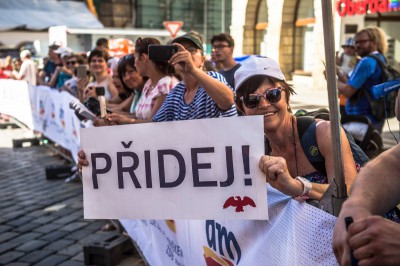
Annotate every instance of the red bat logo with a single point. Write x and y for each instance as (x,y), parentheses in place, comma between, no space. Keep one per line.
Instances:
(239,203)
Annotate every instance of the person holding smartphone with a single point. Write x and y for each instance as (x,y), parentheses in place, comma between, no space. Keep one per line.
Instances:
(160,82)
(200,94)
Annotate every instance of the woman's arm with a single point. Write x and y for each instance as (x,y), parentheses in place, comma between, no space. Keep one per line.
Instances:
(217,90)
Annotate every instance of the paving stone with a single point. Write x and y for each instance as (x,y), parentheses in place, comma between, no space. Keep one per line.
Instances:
(20,221)
(48,228)
(71,250)
(52,260)
(54,236)
(6,246)
(27,227)
(80,234)
(71,227)
(68,219)
(36,256)
(10,257)
(44,219)
(4,228)
(14,214)
(72,263)
(7,236)
(26,237)
(79,257)
(32,245)
(59,244)
(95,224)
(18,264)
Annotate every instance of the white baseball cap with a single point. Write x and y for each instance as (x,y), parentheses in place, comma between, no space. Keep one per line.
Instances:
(254,66)
(63,51)
(25,53)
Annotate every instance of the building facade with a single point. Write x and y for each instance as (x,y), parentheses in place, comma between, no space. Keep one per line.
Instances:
(291,31)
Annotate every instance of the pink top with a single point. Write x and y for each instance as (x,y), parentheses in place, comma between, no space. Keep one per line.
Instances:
(149,95)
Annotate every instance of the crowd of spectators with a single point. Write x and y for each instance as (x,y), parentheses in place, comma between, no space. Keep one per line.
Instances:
(139,90)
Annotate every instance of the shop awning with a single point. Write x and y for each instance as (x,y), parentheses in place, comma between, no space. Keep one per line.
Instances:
(38,15)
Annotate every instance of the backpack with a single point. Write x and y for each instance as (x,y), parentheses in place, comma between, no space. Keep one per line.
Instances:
(306,128)
(384,107)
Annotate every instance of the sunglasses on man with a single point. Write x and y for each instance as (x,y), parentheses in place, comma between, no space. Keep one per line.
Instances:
(253,100)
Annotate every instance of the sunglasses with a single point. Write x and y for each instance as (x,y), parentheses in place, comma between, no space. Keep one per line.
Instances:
(71,62)
(253,100)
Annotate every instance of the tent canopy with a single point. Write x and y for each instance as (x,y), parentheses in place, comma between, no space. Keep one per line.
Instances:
(39,15)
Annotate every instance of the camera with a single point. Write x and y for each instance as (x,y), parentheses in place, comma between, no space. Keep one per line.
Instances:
(162,52)
(93,105)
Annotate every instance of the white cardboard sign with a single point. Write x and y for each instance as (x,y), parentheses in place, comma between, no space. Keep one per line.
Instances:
(197,169)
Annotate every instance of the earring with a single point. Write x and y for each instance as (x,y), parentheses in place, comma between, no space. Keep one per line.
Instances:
(288,108)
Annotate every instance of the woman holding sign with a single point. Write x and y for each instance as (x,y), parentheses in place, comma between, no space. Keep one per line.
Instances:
(261,89)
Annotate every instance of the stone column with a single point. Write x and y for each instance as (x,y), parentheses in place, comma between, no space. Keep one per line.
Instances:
(238,21)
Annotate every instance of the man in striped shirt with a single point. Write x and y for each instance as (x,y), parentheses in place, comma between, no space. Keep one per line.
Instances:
(199,95)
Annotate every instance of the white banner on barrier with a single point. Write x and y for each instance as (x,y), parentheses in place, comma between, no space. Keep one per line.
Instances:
(14,100)
(197,169)
(296,234)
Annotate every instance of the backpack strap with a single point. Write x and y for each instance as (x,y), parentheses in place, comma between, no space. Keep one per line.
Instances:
(306,128)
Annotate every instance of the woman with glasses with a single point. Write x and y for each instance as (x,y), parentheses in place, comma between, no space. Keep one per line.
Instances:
(261,89)
(160,82)
(65,72)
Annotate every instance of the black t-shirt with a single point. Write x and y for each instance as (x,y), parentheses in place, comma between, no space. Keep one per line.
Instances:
(230,75)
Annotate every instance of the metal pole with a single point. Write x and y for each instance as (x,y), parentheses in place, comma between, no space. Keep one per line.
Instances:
(205,19)
(338,193)
(223,6)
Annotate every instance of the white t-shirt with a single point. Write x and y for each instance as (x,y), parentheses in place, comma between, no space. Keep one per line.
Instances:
(28,71)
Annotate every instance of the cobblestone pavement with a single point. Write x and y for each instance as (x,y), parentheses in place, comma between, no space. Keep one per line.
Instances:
(41,221)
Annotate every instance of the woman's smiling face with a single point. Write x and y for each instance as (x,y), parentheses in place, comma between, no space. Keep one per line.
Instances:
(274,113)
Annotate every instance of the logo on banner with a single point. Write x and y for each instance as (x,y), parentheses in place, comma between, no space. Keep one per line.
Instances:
(41,107)
(239,203)
(220,244)
(61,117)
(74,132)
(53,107)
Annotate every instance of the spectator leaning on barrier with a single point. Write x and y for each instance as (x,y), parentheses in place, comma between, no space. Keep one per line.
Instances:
(367,73)
(345,65)
(372,239)
(261,89)
(222,47)
(28,69)
(160,82)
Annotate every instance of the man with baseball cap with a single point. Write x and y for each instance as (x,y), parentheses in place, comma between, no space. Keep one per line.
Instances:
(28,68)
(346,63)
(50,66)
(200,94)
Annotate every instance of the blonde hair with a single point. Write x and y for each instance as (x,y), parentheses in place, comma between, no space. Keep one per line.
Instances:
(378,36)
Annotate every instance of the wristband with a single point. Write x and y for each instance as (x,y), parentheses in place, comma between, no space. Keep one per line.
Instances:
(307,186)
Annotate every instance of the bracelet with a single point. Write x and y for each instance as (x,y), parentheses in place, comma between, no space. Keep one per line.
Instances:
(307,186)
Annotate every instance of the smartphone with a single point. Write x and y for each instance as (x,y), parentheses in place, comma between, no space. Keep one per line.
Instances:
(162,52)
(81,71)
